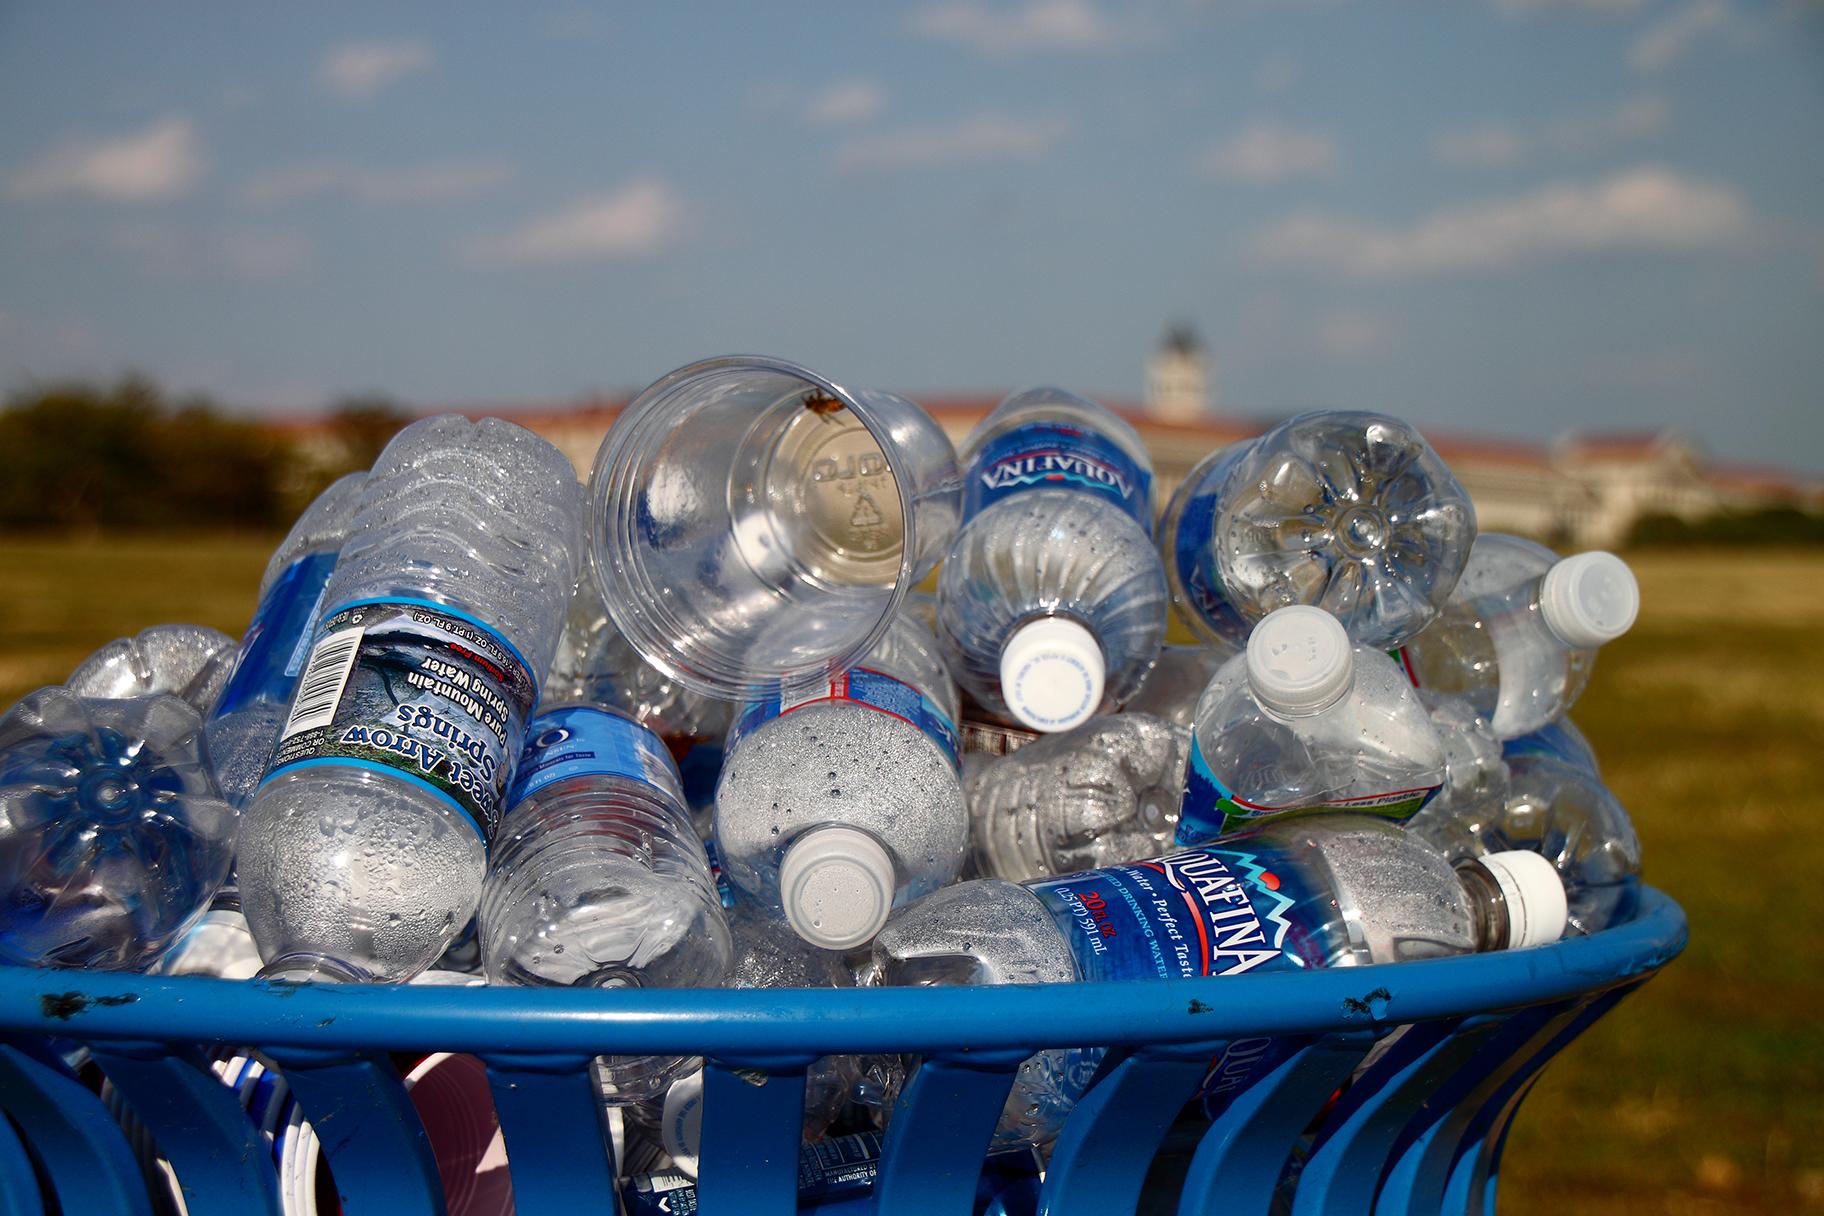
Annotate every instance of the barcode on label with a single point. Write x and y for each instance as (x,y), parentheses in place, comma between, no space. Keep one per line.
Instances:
(320,689)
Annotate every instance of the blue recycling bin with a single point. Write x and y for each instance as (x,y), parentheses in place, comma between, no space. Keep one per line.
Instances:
(1421,1130)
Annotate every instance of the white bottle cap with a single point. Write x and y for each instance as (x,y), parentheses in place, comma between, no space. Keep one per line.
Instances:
(1299,660)
(1537,911)
(837,887)
(1589,599)
(1052,673)
(681,1121)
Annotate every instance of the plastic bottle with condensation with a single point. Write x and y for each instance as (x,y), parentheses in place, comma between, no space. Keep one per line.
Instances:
(245,721)
(1328,891)
(1519,637)
(598,879)
(188,661)
(1051,602)
(1103,793)
(113,838)
(766,955)
(841,800)
(1563,813)
(596,663)
(1350,511)
(1176,681)
(363,851)
(1304,721)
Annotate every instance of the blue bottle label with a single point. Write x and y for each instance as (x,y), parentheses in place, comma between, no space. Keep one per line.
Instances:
(1196,913)
(876,690)
(1194,561)
(416,689)
(583,741)
(699,766)
(272,653)
(1211,810)
(1058,455)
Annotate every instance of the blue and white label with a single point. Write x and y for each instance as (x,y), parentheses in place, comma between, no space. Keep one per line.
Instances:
(272,653)
(1058,455)
(875,690)
(1211,809)
(583,741)
(422,691)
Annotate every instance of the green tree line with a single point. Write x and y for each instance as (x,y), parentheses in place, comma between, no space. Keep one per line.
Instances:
(126,456)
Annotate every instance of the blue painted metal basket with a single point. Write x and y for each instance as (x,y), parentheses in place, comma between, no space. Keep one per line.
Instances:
(1420,1131)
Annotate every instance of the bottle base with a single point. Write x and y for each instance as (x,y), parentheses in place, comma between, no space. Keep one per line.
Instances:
(312,969)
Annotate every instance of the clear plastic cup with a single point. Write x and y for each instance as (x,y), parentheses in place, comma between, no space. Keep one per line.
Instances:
(755,525)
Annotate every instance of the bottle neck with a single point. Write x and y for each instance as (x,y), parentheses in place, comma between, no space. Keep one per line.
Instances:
(1487,905)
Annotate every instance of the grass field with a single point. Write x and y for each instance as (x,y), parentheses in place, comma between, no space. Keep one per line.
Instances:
(1702,1093)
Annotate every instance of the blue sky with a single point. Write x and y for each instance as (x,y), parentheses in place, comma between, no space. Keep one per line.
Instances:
(1513,217)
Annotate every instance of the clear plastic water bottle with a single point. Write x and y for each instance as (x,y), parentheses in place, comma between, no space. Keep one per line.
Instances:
(596,663)
(766,955)
(1328,891)
(1051,603)
(188,661)
(1105,792)
(246,720)
(219,945)
(842,799)
(1519,637)
(112,835)
(1564,814)
(1352,512)
(363,851)
(598,879)
(1176,681)
(1475,770)
(1305,721)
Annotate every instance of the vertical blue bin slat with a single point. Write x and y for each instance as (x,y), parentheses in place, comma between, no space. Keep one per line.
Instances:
(376,1147)
(19,1194)
(753,1120)
(1480,1147)
(1100,1161)
(1350,1156)
(560,1158)
(221,1161)
(85,1156)
(1421,1158)
(939,1135)
(1238,1161)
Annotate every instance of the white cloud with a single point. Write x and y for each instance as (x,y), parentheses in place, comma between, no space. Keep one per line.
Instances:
(846,103)
(1356,334)
(430,182)
(1601,8)
(1577,135)
(1672,37)
(161,162)
(642,218)
(1276,75)
(1266,152)
(1645,208)
(982,139)
(360,70)
(1030,25)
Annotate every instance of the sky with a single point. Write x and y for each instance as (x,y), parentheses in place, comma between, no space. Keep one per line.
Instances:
(1515,218)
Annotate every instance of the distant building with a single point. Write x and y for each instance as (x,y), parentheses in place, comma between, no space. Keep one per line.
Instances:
(1583,492)
(1178,378)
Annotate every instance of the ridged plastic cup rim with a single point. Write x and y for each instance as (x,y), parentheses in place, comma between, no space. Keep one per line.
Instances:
(613,479)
